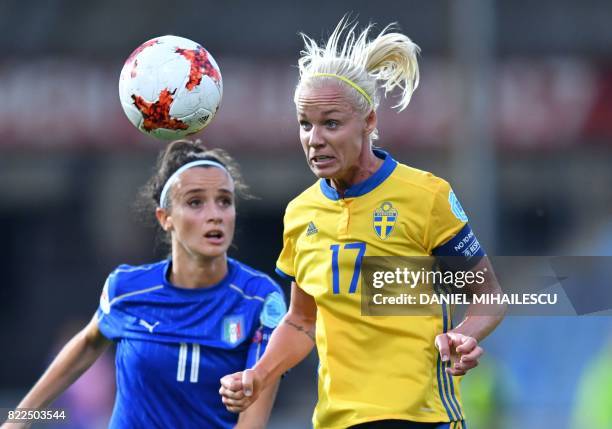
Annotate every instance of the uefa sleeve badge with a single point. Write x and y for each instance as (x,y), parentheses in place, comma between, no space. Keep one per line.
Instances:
(104,301)
(273,311)
(456,207)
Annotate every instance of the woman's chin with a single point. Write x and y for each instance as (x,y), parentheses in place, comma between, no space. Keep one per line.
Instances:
(212,252)
(323,173)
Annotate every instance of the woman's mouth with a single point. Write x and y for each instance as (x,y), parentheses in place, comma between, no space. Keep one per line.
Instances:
(215,236)
(321,161)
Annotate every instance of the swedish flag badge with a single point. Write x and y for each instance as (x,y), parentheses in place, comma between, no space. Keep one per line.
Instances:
(384,220)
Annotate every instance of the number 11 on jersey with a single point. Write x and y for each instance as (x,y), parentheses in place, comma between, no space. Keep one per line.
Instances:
(335,248)
(182,363)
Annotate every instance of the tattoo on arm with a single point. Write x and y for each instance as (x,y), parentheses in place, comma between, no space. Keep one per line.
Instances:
(300,328)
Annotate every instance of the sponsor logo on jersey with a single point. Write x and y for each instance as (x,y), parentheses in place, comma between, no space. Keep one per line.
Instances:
(311,230)
(456,207)
(233,329)
(147,325)
(384,220)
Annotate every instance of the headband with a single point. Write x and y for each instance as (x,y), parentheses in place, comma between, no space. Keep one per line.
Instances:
(171,179)
(348,81)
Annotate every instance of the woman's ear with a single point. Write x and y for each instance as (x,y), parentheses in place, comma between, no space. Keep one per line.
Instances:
(371,122)
(164,218)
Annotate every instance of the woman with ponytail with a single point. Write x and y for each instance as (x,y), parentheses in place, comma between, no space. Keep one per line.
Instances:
(375,372)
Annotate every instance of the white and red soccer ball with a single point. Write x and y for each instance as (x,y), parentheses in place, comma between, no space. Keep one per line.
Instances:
(170,87)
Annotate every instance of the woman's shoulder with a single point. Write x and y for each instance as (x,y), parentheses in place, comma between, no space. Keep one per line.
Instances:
(128,278)
(252,281)
(311,195)
(422,179)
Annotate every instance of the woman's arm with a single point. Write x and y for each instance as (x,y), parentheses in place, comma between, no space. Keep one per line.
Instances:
(289,344)
(258,414)
(481,319)
(460,345)
(72,361)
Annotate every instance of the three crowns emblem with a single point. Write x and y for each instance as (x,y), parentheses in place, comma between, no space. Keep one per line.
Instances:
(384,220)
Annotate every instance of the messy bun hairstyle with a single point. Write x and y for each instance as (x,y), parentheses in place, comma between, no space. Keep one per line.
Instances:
(387,62)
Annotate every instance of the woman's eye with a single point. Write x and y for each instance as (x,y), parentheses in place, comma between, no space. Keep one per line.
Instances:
(225,202)
(331,123)
(194,203)
(306,126)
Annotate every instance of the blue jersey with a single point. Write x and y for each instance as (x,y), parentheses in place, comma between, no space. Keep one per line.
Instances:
(174,344)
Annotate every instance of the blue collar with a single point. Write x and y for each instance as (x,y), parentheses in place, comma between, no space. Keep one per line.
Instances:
(367,185)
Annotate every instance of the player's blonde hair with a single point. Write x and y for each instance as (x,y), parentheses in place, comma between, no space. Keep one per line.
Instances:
(387,62)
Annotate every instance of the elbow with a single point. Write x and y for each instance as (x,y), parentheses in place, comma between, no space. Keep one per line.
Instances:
(303,318)
(92,339)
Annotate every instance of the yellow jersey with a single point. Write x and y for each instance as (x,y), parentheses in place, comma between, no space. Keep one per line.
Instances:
(373,367)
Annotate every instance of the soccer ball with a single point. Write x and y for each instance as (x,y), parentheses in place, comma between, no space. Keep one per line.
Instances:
(170,87)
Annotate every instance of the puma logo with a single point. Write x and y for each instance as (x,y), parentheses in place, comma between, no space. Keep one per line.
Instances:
(147,325)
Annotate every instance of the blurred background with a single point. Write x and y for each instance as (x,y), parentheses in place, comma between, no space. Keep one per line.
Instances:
(514,109)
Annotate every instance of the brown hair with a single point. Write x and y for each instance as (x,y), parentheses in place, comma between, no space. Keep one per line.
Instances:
(177,154)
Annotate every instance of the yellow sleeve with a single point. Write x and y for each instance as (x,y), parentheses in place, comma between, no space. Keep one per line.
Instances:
(285,265)
(446,217)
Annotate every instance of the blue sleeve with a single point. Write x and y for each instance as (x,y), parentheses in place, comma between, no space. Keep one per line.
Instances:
(272,312)
(109,323)
(462,252)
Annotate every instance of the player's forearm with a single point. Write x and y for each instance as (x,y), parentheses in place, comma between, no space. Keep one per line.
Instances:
(74,359)
(481,319)
(477,326)
(289,344)
(258,414)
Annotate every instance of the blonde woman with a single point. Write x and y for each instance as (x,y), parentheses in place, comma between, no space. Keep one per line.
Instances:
(374,372)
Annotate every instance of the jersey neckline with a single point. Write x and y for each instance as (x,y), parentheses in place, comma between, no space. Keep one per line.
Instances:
(367,185)
(229,277)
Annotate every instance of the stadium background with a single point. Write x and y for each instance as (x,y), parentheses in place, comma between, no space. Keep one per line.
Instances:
(514,109)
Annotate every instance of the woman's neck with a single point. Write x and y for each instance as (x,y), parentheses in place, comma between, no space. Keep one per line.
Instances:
(194,273)
(368,164)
